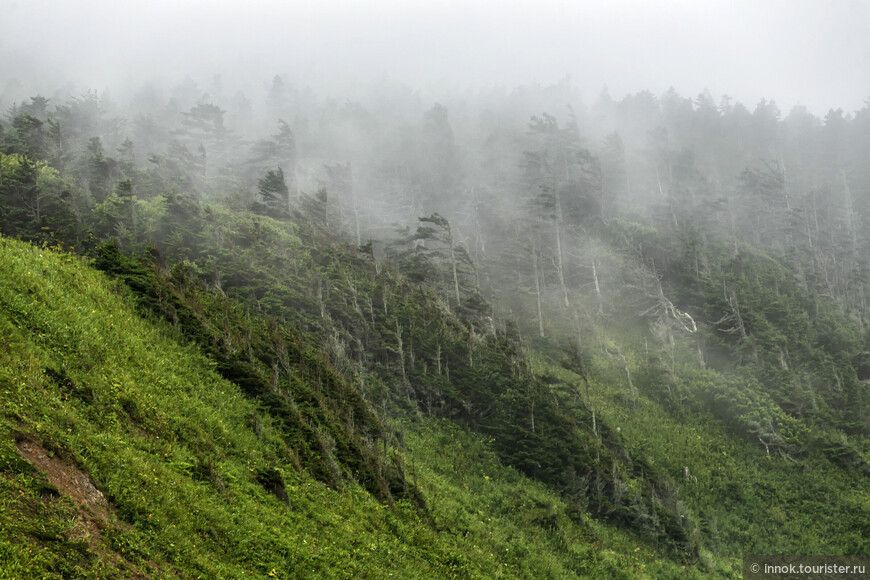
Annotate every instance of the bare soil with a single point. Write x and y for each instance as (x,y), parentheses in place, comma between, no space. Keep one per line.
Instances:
(94,511)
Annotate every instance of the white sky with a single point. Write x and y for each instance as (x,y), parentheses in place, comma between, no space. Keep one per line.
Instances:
(810,52)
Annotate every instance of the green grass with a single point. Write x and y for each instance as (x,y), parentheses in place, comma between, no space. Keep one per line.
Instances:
(742,499)
(179,454)
(521,526)
(169,443)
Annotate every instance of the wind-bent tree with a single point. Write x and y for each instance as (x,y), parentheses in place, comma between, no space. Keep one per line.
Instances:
(274,195)
(441,235)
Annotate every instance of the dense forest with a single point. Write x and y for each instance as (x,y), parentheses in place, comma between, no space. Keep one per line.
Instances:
(506,334)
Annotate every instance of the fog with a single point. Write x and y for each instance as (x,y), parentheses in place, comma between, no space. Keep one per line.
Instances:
(807,53)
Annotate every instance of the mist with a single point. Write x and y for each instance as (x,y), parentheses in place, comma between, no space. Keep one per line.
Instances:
(622,244)
(796,53)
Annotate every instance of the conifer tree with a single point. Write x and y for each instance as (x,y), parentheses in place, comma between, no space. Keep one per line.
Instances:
(274,194)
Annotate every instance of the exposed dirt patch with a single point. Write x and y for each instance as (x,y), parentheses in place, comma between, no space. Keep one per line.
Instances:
(94,511)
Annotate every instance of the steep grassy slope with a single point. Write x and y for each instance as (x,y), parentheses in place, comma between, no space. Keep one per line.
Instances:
(757,414)
(671,384)
(125,454)
(530,532)
(641,374)
(744,499)
(411,352)
(185,462)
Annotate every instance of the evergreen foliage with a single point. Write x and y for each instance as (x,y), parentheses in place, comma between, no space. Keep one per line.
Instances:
(125,453)
(632,342)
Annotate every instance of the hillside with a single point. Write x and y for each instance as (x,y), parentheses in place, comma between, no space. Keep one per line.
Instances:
(630,342)
(125,454)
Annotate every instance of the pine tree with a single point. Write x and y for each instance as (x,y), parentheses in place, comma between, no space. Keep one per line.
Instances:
(274,194)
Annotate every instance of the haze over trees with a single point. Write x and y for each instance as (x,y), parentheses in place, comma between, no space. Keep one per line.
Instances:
(503,332)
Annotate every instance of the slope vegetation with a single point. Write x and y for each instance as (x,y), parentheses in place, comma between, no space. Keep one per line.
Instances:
(126,454)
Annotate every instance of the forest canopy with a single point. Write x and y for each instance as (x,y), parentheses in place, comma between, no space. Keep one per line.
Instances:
(280,326)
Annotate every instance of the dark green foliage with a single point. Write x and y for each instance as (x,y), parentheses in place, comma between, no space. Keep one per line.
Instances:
(801,346)
(273,482)
(377,326)
(706,270)
(314,209)
(329,426)
(274,194)
(19,190)
(35,203)
(99,170)
(116,214)
(197,479)
(26,137)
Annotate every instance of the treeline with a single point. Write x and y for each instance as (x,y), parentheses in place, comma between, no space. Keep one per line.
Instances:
(711,255)
(520,176)
(405,349)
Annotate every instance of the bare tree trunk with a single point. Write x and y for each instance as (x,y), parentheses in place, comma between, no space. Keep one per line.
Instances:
(400,349)
(784,183)
(670,203)
(736,321)
(560,259)
(481,243)
(353,204)
(850,213)
(603,197)
(453,266)
(538,291)
(532,410)
(597,286)
(627,371)
(320,298)
(560,270)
